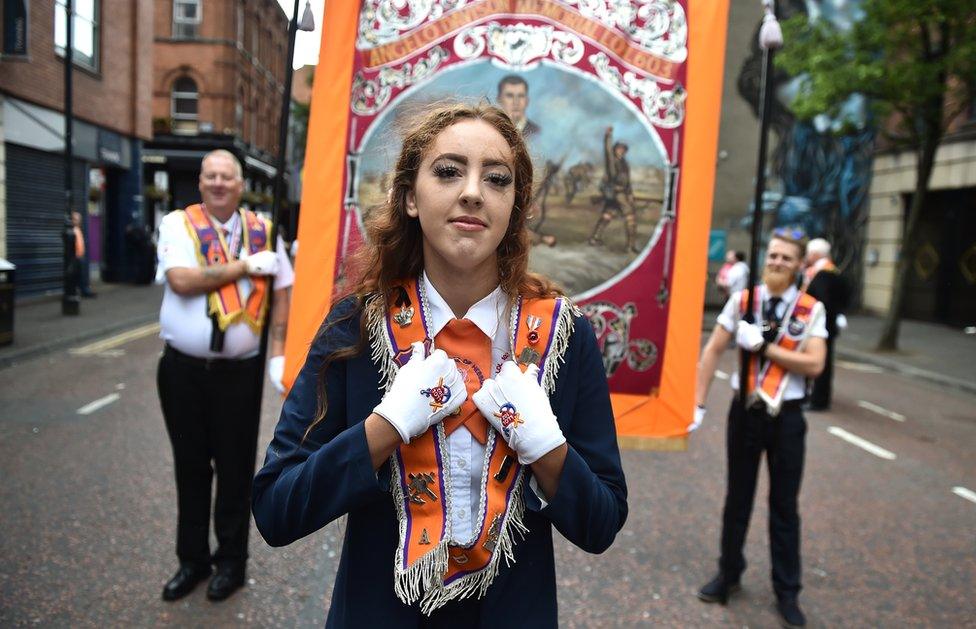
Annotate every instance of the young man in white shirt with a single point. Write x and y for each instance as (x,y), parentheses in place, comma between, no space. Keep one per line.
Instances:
(786,345)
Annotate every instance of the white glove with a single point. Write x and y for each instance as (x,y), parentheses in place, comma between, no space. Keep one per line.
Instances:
(425,391)
(841,322)
(748,336)
(276,371)
(699,418)
(262,263)
(517,406)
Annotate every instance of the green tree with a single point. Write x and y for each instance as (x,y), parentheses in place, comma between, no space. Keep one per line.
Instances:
(916,62)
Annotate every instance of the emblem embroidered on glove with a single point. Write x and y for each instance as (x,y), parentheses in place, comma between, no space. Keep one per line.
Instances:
(439,395)
(510,418)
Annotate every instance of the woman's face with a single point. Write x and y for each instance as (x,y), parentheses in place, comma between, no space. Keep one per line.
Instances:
(463,196)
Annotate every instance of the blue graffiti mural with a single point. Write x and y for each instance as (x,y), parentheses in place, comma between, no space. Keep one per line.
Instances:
(820,170)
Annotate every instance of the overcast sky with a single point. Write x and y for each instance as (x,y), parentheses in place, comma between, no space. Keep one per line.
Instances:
(306,44)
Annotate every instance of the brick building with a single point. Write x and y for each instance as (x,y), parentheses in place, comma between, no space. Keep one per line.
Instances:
(218,76)
(111,112)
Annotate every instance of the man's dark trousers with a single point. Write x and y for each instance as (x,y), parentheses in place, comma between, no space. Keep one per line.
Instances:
(211,414)
(821,391)
(782,438)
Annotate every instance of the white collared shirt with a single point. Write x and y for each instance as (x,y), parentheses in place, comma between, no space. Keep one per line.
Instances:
(184,320)
(796,386)
(466,454)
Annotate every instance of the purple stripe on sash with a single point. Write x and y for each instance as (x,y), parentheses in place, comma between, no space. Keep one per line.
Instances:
(552,335)
(406,506)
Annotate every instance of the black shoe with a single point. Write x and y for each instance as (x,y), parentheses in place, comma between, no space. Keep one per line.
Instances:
(185,579)
(790,615)
(225,582)
(89,295)
(718,590)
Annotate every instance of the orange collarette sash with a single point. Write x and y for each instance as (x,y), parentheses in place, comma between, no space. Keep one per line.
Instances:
(769,383)
(430,566)
(212,249)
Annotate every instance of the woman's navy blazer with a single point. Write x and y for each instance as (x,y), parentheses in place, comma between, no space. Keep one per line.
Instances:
(305,485)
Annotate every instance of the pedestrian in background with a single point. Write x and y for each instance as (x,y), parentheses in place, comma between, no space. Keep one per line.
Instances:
(218,267)
(80,269)
(786,345)
(455,406)
(734,274)
(822,280)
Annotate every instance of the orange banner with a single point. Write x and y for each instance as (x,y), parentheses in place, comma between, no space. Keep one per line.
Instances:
(654,417)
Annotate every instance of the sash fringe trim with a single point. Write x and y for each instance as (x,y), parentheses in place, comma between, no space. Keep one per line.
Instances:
(560,343)
(382,355)
(477,583)
(426,572)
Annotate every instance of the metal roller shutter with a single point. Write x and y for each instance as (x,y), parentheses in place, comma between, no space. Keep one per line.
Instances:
(35,216)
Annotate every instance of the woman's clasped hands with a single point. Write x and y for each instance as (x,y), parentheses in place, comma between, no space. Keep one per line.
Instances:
(428,389)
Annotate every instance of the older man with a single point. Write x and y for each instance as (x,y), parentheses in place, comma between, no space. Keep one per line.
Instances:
(785,346)
(822,279)
(216,261)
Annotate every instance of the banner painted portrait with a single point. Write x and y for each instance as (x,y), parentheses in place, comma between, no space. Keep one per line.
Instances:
(603,93)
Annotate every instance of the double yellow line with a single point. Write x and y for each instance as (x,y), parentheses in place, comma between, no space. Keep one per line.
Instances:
(93,349)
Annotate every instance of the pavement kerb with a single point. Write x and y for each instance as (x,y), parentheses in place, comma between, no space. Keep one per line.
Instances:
(10,358)
(899,367)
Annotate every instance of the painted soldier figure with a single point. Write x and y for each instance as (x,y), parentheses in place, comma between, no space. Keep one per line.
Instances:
(617,193)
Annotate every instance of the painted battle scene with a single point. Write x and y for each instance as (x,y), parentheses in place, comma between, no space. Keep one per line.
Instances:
(599,170)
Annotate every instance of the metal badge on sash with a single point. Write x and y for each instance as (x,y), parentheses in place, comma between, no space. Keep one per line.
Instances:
(420,484)
(529,356)
(533,323)
(405,317)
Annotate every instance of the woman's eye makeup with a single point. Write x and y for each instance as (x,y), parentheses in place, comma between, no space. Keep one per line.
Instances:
(450,171)
(499,179)
(446,171)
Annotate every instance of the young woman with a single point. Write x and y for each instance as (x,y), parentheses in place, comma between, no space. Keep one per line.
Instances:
(455,406)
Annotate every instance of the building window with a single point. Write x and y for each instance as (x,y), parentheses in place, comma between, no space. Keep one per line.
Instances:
(185,106)
(84,37)
(16,26)
(186,19)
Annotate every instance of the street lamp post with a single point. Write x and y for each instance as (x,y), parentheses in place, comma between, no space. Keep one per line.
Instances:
(70,299)
(770,39)
(306,24)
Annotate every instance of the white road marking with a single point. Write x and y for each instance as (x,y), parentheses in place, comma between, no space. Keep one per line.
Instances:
(98,347)
(866,368)
(962,492)
(864,444)
(91,407)
(874,408)
(721,375)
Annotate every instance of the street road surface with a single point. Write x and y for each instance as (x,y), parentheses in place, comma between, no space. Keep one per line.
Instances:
(888,507)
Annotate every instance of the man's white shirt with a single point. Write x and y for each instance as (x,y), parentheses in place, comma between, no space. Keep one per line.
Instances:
(796,386)
(184,320)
